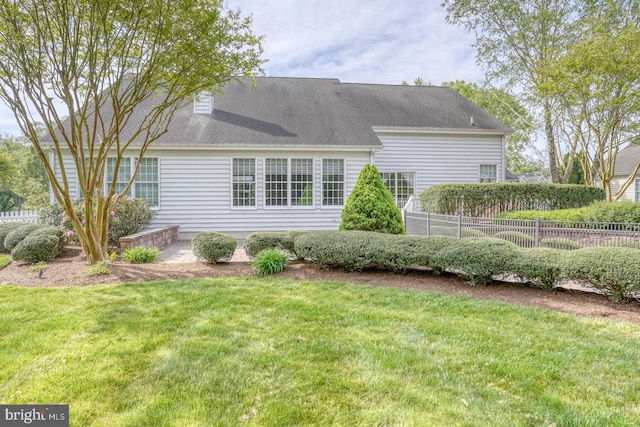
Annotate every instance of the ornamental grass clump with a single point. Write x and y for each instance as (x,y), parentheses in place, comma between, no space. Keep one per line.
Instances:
(213,247)
(141,254)
(269,261)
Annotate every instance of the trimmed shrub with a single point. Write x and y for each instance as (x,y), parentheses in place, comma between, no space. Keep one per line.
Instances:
(6,228)
(516,237)
(213,247)
(479,198)
(472,232)
(615,271)
(357,250)
(539,266)
(141,254)
(37,248)
(624,211)
(565,216)
(478,259)
(129,216)
(559,243)
(269,261)
(18,234)
(370,206)
(256,242)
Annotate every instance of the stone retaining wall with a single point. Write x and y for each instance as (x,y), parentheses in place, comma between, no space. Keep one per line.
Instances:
(158,237)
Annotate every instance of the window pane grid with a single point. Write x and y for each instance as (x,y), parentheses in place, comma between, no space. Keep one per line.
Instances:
(276,183)
(488,173)
(124,173)
(301,182)
(244,182)
(401,185)
(332,182)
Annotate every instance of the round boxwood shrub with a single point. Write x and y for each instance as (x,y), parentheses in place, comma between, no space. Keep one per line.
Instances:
(213,247)
(17,235)
(370,206)
(542,267)
(6,228)
(559,243)
(520,239)
(477,259)
(256,242)
(38,248)
(615,271)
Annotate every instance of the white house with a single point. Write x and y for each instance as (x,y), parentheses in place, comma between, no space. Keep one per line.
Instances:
(626,162)
(286,154)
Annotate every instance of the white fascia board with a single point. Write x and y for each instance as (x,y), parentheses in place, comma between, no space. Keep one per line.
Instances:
(424,131)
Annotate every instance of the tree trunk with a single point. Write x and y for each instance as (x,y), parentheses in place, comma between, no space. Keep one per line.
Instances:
(552,151)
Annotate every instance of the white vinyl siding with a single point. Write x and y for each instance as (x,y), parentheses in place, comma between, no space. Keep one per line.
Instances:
(401,185)
(332,182)
(439,158)
(244,182)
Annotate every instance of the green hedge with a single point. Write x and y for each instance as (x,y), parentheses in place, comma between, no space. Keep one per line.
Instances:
(477,259)
(539,266)
(560,243)
(213,247)
(257,242)
(561,215)
(624,211)
(615,271)
(478,199)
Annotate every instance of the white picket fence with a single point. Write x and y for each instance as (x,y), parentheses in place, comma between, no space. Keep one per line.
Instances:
(25,216)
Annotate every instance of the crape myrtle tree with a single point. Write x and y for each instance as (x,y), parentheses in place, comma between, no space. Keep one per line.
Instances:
(370,206)
(83,67)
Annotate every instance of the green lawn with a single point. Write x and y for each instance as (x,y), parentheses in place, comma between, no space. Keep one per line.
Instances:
(252,351)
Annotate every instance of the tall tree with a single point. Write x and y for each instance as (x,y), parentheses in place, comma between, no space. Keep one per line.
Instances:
(89,55)
(598,81)
(515,39)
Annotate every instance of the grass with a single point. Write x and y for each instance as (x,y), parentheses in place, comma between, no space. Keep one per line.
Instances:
(273,351)
(4,260)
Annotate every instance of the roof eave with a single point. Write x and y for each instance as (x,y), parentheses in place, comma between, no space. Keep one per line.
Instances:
(415,130)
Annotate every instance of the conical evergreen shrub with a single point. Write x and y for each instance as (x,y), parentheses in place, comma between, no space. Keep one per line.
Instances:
(370,206)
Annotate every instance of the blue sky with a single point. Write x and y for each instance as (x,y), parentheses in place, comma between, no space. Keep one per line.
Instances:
(356,41)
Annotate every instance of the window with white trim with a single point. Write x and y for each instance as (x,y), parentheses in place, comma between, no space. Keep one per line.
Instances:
(276,172)
(145,185)
(488,173)
(244,182)
(332,182)
(288,182)
(636,197)
(401,185)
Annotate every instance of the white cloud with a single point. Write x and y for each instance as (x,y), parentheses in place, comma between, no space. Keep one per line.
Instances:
(359,41)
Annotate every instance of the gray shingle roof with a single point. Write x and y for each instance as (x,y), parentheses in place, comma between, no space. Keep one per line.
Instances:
(627,159)
(306,112)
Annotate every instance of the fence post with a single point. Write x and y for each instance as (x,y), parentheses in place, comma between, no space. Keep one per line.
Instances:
(459,226)
(428,224)
(537,232)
